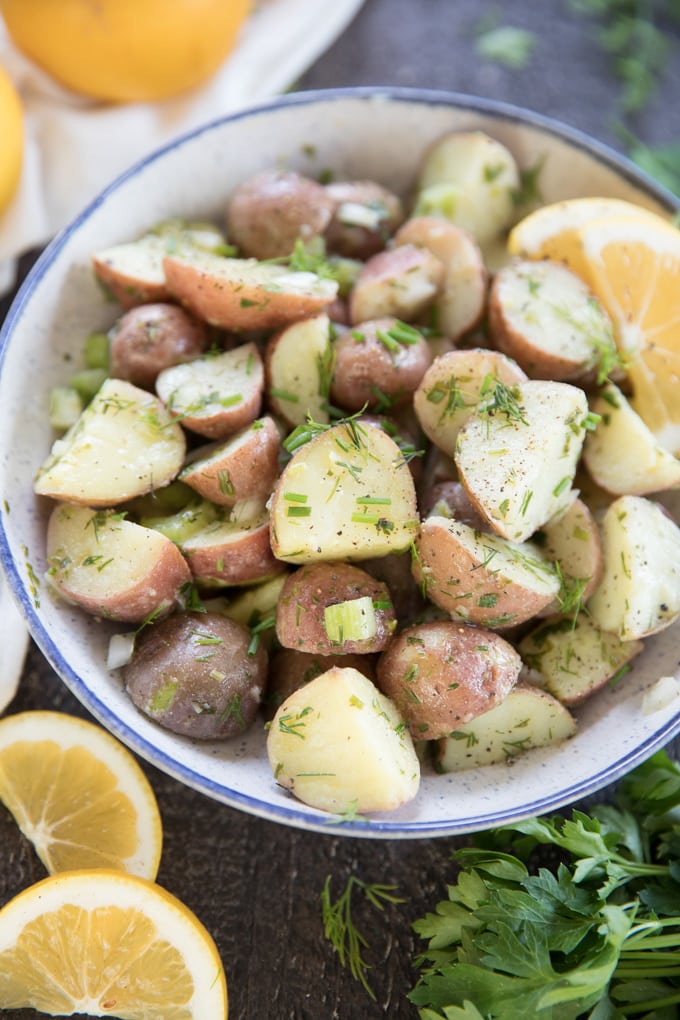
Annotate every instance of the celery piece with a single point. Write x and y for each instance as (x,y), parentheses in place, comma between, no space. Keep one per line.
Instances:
(66,406)
(97,351)
(353,620)
(88,382)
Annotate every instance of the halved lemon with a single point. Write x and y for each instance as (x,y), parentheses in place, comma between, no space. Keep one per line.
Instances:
(78,795)
(630,258)
(633,267)
(108,944)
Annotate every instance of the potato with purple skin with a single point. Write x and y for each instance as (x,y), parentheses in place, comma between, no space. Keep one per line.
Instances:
(149,338)
(268,213)
(334,608)
(401,282)
(378,362)
(365,216)
(441,675)
(197,674)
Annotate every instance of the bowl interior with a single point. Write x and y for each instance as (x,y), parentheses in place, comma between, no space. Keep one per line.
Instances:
(363,134)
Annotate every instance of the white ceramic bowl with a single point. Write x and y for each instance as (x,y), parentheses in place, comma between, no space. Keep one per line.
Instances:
(359,133)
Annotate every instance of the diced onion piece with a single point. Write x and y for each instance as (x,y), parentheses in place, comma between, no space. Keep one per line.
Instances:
(121,649)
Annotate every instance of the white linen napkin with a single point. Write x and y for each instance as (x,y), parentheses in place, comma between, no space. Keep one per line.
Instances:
(75,146)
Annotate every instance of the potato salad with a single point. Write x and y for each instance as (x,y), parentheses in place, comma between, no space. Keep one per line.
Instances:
(348,467)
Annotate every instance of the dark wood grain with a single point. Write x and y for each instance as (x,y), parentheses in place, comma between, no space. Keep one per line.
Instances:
(256,885)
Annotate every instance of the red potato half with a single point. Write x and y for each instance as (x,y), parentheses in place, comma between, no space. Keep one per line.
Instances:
(364,618)
(243,294)
(298,364)
(231,553)
(482,578)
(124,444)
(547,319)
(215,395)
(347,494)
(111,567)
(462,301)
(246,466)
(573,541)
(267,213)
(152,337)
(378,364)
(451,389)
(400,282)
(442,674)
(133,271)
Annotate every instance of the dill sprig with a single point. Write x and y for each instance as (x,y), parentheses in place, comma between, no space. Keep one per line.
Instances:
(339,926)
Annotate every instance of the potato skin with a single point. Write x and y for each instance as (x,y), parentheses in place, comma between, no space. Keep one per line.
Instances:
(442,674)
(245,467)
(268,212)
(192,674)
(369,369)
(149,338)
(310,589)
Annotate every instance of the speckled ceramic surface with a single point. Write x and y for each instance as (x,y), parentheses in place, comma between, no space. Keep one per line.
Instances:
(364,133)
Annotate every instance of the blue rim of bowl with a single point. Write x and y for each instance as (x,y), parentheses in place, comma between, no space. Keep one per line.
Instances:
(285,813)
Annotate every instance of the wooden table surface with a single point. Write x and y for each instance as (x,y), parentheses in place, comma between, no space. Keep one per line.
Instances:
(255,884)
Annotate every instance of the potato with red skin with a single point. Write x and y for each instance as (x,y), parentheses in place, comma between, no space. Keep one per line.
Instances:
(132,272)
(111,567)
(373,366)
(309,590)
(442,674)
(462,302)
(400,282)
(267,213)
(149,338)
(449,498)
(244,467)
(365,216)
(289,669)
(231,552)
(243,294)
(197,674)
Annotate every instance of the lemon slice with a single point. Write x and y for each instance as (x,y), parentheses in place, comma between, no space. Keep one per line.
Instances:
(551,232)
(632,265)
(106,943)
(78,795)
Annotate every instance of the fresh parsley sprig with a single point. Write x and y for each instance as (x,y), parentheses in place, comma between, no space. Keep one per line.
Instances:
(598,936)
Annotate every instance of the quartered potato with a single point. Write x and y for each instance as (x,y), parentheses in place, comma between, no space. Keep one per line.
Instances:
(527,718)
(347,494)
(243,467)
(546,318)
(639,592)
(244,294)
(400,282)
(231,551)
(471,179)
(575,657)
(133,272)
(217,394)
(572,541)
(482,578)
(340,745)
(461,302)
(517,454)
(298,364)
(453,386)
(622,454)
(111,567)
(125,443)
